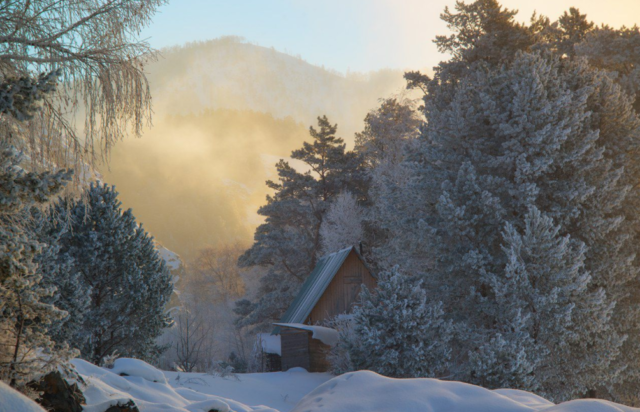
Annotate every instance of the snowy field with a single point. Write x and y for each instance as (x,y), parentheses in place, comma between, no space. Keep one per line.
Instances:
(296,391)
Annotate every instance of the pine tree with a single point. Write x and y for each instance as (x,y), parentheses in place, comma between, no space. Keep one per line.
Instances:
(342,224)
(127,281)
(289,241)
(571,29)
(540,132)
(386,131)
(483,31)
(390,132)
(485,38)
(25,316)
(19,97)
(546,316)
(398,331)
(615,50)
(59,274)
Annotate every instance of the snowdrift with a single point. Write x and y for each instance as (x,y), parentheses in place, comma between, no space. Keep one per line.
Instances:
(155,391)
(14,401)
(367,391)
(147,387)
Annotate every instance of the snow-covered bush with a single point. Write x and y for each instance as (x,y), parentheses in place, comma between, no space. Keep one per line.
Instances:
(398,331)
(339,355)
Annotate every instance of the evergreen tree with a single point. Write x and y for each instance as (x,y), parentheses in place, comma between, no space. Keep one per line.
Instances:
(483,31)
(342,224)
(398,331)
(127,281)
(390,132)
(289,241)
(571,29)
(18,97)
(59,274)
(543,311)
(540,132)
(386,131)
(476,45)
(25,316)
(615,50)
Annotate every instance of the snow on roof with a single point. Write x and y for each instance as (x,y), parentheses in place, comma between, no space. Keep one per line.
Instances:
(327,336)
(171,258)
(270,343)
(314,286)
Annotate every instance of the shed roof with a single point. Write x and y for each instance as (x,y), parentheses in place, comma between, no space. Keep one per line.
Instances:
(314,287)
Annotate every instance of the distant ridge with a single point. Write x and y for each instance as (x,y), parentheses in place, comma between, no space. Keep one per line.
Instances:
(229,73)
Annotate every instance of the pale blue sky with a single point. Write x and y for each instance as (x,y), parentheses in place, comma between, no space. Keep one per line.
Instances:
(356,35)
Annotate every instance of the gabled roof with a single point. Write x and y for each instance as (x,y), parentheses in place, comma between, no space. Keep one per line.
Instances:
(314,287)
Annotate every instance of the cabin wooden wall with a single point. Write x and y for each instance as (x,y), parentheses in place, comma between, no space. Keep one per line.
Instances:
(299,349)
(343,291)
(294,348)
(318,352)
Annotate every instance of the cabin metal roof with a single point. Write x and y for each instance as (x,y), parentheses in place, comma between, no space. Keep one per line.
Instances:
(314,287)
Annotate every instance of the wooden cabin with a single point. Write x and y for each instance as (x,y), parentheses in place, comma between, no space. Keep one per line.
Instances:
(332,289)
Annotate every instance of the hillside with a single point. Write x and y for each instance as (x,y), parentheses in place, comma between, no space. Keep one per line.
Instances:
(230,74)
(225,112)
(197,180)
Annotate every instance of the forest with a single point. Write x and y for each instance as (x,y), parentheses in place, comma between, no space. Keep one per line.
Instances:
(494,199)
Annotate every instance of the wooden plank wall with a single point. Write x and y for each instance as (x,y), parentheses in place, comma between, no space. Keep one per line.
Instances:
(318,352)
(299,349)
(295,348)
(343,291)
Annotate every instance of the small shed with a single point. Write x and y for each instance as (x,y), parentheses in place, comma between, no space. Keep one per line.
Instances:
(331,289)
(267,352)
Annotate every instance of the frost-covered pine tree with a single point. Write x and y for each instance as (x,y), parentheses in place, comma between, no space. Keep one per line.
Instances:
(386,131)
(390,132)
(547,317)
(59,274)
(126,280)
(342,224)
(543,132)
(26,350)
(398,331)
(615,50)
(289,241)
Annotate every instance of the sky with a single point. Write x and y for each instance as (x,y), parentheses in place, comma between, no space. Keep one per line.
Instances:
(348,35)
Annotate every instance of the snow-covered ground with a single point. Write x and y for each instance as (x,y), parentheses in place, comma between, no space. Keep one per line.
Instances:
(296,391)
(367,391)
(278,390)
(156,391)
(12,401)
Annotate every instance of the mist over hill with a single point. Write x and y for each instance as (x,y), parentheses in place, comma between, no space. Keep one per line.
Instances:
(225,112)
(231,74)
